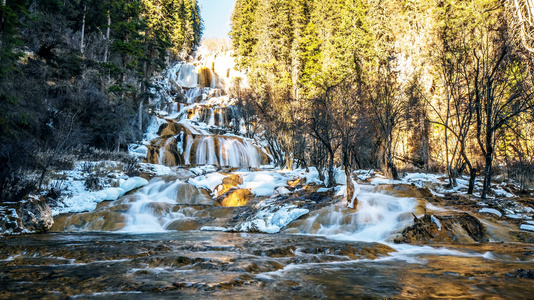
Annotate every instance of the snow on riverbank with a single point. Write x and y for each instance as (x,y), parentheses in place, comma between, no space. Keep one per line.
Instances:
(85,200)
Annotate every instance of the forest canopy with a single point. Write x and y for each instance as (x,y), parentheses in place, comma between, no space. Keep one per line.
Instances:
(427,85)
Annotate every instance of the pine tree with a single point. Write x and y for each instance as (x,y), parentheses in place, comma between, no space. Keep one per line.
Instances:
(244,31)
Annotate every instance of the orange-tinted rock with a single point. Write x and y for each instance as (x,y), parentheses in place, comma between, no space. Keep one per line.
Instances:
(94,221)
(236,198)
(228,183)
(205,77)
(296,182)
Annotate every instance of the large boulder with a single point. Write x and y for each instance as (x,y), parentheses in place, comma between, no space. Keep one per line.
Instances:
(449,228)
(236,198)
(35,214)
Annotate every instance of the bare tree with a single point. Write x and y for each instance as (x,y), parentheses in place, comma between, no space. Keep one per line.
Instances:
(388,109)
(501,89)
(321,122)
(348,99)
(452,57)
(521,17)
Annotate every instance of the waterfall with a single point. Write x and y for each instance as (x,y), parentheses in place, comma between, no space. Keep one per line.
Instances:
(211,122)
(206,152)
(187,152)
(185,76)
(192,94)
(204,127)
(377,217)
(162,150)
(151,207)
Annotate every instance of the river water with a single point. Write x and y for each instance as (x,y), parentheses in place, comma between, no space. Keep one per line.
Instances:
(201,265)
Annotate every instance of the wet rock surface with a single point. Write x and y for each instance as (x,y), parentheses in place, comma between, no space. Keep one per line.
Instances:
(63,265)
(32,214)
(201,265)
(455,227)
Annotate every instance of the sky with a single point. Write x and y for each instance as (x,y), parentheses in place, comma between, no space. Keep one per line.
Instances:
(216,15)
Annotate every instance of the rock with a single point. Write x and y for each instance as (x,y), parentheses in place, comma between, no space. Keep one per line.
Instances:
(521,273)
(296,182)
(9,221)
(403,190)
(183,225)
(453,228)
(35,214)
(93,221)
(228,183)
(236,198)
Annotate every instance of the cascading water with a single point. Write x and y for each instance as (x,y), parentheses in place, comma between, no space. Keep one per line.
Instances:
(184,75)
(203,131)
(377,218)
(153,207)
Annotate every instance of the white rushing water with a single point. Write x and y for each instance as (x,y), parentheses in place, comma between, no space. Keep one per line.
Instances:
(152,208)
(377,218)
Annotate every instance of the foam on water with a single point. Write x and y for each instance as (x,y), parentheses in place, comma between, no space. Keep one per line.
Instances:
(153,207)
(377,217)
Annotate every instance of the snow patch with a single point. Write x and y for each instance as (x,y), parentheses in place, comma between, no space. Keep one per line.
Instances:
(272,219)
(263,183)
(87,201)
(209,181)
(491,211)
(435,220)
(527,227)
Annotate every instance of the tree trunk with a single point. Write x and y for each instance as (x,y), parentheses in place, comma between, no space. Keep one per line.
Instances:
(472,170)
(289,160)
(472,177)
(331,177)
(83,29)
(140,113)
(487,176)
(391,165)
(106,49)
(320,170)
(488,155)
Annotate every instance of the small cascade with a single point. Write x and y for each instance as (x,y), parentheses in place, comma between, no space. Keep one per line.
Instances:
(206,152)
(377,218)
(185,75)
(155,206)
(193,95)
